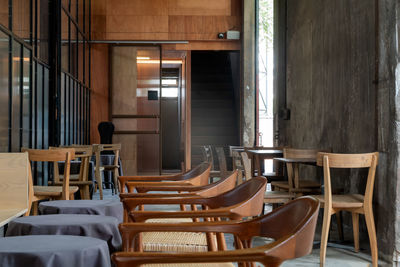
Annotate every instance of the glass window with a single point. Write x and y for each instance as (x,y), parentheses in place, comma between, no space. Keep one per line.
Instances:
(26,78)
(74,51)
(81,11)
(87,17)
(16,97)
(81,57)
(4,91)
(4,13)
(64,42)
(62,111)
(46,108)
(21,19)
(73,9)
(43,30)
(39,107)
(87,64)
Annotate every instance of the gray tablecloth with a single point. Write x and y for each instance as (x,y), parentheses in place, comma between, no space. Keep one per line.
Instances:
(97,226)
(53,251)
(93,207)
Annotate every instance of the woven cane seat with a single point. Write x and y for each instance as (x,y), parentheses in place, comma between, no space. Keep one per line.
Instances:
(174,241)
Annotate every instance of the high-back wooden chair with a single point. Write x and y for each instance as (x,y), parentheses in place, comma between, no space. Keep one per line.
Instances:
(16,191)
(223,170)
(208,156)
(243,201)
(84,153)
(197,176)
(294,183)
(270,197)
(224,184)
(65,191)
(97,149)
(292,239)
(354,203)
(234,152)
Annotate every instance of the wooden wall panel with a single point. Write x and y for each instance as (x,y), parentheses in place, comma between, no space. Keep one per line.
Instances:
(99,108)
(124,76)
(128,24)
(191,20)
(196,7)
(137,7)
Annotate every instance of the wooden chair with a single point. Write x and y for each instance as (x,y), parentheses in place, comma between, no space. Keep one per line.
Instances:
(275,175)
(197,176)
(354,203)
(292,239)
(84,153)
(237,161)
(243,201)
(208,156)
(97,149)
(224,184)
(270,197)
(15,186)
(294,183)
(223,170)
(64,192)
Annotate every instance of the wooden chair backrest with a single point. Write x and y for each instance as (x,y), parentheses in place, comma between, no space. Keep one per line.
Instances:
(293,238)
(300,153)
(221,161)
(207,155)
(98,148)
(222,185)
(82,152)
(16,188)
(198,175)
(55,155)
(246,165)
(244,200)
(348,161)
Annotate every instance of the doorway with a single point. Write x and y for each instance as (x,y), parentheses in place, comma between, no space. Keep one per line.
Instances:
(145,109)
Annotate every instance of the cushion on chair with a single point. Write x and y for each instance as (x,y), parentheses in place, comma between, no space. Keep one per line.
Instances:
(174,241)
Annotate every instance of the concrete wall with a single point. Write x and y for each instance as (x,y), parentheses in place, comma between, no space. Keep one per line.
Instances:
(333,63)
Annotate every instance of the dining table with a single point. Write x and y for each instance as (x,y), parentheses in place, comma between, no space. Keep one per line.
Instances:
(106,207)
(53,251)
(259,155)
(96,226)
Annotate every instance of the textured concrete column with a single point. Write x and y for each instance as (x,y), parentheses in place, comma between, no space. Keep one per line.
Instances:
(388,107)
(248,54)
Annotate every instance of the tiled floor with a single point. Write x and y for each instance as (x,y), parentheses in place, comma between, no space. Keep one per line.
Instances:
(334,257)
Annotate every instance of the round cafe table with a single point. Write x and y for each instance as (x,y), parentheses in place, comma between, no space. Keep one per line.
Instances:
(53,251)
(97,226)
(112,208)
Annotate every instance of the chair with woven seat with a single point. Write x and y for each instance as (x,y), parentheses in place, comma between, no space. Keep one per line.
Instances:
(84,153)
(244,200)
(197,176)
(114,168)
(354,203)
(270,197)
(64,192)
(294,183)
(292,239)
(224,184)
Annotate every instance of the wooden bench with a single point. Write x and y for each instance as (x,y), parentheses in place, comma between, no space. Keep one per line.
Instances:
(14,186)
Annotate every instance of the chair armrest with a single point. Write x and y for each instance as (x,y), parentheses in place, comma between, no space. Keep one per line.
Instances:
(173,177)
(141,216)
(123,196)
(242,255)
(167,187)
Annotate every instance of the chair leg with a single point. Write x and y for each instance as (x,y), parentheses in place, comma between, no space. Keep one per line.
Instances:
(324,235)
(116,186)
(369,218)
(99,184)
(35,208)
(356,230)
(339,225)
